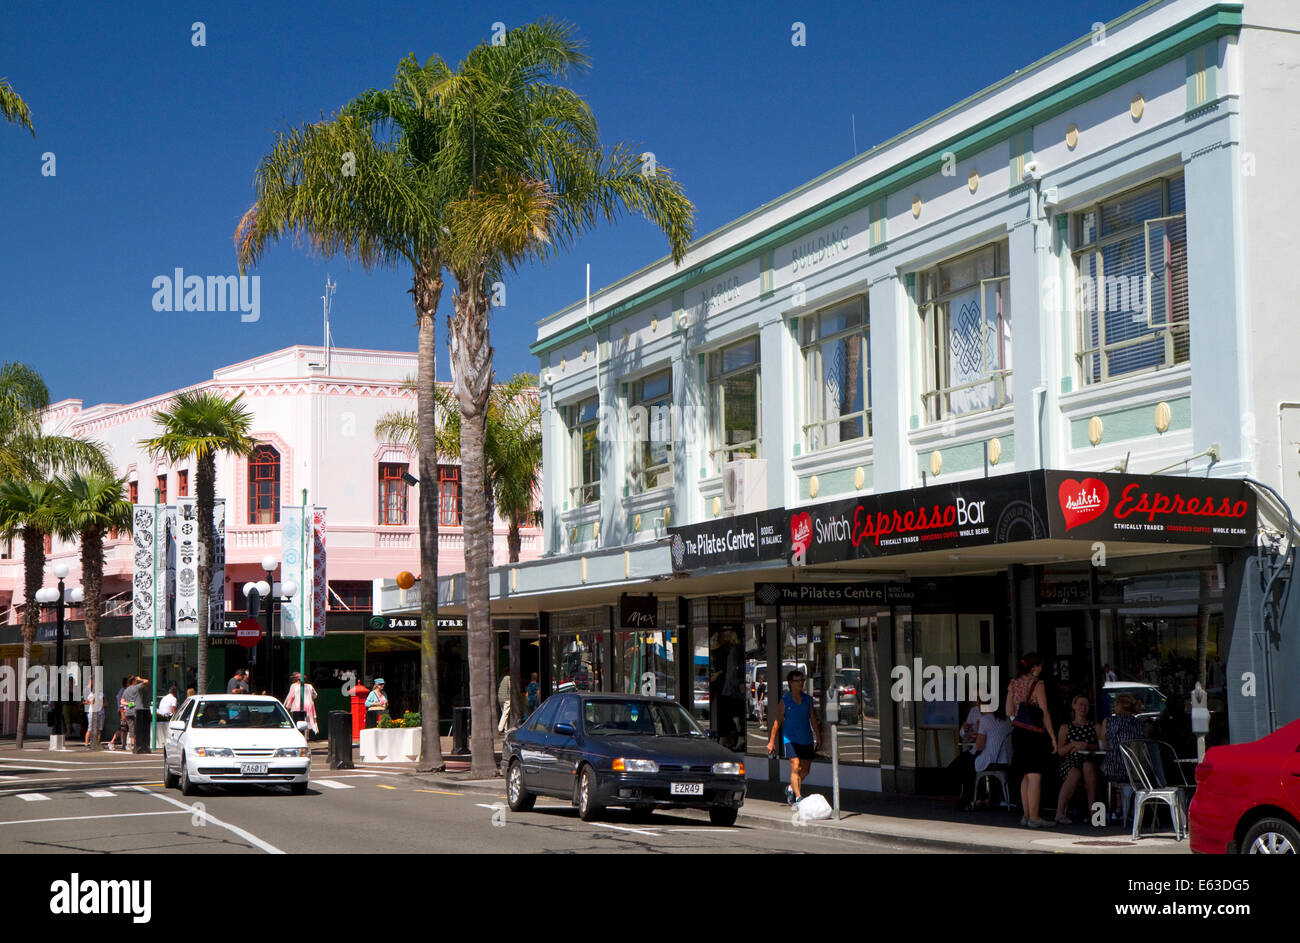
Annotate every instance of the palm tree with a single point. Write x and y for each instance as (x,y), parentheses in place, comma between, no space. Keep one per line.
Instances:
(529,177)
(27,453)
(13,109)
(512,448)
(199,425)
(27,510)
(365,184)
(89,507)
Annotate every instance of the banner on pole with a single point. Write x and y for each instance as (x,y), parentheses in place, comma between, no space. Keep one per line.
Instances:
(145,537)
(217,588)
(320,586)
(187,567)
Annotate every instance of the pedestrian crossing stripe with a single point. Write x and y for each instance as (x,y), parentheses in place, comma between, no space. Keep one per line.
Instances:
(100,794)
(333,784)
(32,797)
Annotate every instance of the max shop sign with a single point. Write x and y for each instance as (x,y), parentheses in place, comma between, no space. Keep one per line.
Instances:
(638,612)
(965,514)
(748,538)
(1217,511)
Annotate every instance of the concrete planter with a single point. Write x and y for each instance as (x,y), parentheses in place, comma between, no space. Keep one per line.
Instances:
(394,745)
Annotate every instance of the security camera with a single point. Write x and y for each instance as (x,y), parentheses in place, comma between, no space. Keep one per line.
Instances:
(1031,170)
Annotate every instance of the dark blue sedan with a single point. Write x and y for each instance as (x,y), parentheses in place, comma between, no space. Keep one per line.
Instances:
(599,750)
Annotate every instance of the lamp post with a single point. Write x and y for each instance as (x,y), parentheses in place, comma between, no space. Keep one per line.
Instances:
(56,597)
(268,594)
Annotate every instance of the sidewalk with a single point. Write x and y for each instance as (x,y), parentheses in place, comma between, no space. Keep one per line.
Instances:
(912,822)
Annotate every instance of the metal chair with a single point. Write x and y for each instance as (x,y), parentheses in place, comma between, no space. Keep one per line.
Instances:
(1156,776)
(998,773)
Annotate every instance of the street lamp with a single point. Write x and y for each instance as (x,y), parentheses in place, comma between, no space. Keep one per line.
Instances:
(51,596)
(268,594)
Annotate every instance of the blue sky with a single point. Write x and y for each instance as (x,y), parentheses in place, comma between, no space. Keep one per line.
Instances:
(155,142)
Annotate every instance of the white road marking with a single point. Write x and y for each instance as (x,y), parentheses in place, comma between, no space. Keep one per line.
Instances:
(624,828)
(332,784)
(21,759)
(358,776)
(699,830)
(195,810)
(101,794)
(33,797)
(82,818)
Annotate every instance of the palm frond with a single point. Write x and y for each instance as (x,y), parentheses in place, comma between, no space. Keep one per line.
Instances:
(13,109)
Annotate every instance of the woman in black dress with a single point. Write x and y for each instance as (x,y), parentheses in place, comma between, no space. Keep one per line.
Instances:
(1033,741)
(1075,742)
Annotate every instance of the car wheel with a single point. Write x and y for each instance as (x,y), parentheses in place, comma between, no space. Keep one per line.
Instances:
(188,788)
(589,808)
(520,799)
(720,815)
(170,781)
(298,789)
(1272,837)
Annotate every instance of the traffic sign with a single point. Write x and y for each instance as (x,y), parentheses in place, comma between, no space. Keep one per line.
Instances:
(248,632)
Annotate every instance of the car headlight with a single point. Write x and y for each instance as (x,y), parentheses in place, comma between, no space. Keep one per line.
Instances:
(729,769)
(625,765)
(292,751)
(214,751)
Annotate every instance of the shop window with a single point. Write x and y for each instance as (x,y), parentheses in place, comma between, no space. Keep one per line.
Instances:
(837,380)
(351,594)
(1130,263)
(584,466)
(162,488)
(392,494)
(183,483)
(735,409)
(449,499)
(264,486)
(650,409)
(965,311)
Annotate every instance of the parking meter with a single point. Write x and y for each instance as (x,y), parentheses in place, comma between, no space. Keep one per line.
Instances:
(1200,711)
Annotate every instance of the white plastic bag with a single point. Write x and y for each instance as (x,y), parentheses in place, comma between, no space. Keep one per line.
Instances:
(813,807)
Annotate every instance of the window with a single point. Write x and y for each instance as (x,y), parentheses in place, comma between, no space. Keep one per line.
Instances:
(449,506)
(734,409)
(1130,266)
(650,409)
(568,713)
(133,492)
(350,594)
(837,375)
(392,493)
(965,309)
(264,486)
(162,488)
(48,542)
(183,483)
(584,436)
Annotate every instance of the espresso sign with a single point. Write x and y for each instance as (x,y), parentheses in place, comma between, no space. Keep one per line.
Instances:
(638,612)
(974,513)
(1215,511)
(746,538)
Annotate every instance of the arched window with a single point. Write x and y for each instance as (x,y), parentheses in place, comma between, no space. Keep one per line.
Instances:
(264,486)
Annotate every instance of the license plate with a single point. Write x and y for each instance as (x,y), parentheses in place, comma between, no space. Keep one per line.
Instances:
(686,789)
(253,769)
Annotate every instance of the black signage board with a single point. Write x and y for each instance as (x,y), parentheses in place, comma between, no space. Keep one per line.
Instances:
(821,594)
(410,624)
(1161,509)
(973,513)
(745,538)
(638,612)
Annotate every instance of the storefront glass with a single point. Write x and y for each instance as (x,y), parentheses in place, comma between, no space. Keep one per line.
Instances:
(578,641)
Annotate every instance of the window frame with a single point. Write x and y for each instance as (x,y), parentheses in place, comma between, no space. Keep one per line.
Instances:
(1169,330)
(183,483)
(811,355)
(161,483)
(936,329)
(639,445)
(393,495)
(450,513)
(583,492)
(721,453)
(258,484)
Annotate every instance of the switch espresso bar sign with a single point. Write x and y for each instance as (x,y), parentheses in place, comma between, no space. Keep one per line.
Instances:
(747,538)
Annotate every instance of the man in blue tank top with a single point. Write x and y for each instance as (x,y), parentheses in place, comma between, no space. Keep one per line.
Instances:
(801,733)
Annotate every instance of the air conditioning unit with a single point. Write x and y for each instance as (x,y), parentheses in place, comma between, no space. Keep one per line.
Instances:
(744,486)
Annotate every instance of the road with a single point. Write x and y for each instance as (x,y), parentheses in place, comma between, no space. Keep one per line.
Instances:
(113,803)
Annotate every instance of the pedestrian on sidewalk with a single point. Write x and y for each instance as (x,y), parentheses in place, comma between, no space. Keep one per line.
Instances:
(301,702)
(1033,741)
(801,733)
(121,717)
(237,684)
(531,694)
(376,704)
(167,706)
(503,698)
(94,703)
(133,697)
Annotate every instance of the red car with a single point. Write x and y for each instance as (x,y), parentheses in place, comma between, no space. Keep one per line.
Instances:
(1248,797)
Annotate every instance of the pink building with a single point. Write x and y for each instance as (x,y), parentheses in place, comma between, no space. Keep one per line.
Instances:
(315,428)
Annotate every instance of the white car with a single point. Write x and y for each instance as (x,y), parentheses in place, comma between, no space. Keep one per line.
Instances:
(235,738)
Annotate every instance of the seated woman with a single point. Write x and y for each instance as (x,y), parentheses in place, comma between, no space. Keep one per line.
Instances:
(992,750)
(1076,739)
(1120,728)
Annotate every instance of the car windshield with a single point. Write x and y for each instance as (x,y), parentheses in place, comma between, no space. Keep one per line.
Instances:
(241,714)
(613,718)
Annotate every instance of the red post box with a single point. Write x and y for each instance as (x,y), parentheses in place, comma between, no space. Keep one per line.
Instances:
(359,692)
